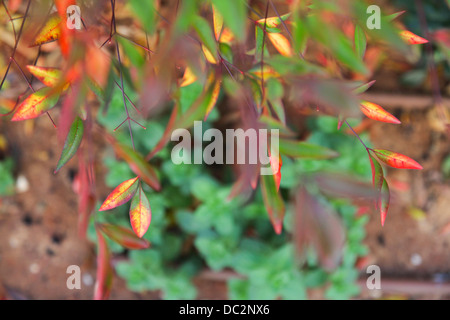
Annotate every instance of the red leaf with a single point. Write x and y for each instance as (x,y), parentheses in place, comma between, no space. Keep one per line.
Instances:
(412,38)
(104,280)
(36,104)
(376,112)
(123,236)
(396,160)
(140,213)
(120,195)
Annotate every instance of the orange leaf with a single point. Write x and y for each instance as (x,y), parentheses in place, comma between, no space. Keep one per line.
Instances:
(396,160)
(226,36)
(48,76)
(376,112)
(51,31)
(36,104)
(104,280)
(189,77)
(140,213)
(276,169)
(281,43)
(412,38)
(120,195)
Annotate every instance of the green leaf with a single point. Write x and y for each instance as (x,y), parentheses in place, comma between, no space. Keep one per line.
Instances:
(73,141)
(234,16)
(145,12)
(273,202)
(206,35)
(360,41)
(305,150)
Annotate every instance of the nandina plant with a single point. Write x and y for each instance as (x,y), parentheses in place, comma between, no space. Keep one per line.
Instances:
(268,59)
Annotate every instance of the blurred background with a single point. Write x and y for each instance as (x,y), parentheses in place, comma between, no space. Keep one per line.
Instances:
(207,247)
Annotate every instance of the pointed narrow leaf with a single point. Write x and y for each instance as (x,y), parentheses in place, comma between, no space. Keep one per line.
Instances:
(377,178)
(384,201)
(411,38)
(360,41)
(214,97)
(341,185)
(36,104)
(123,236)
(305,150)
(208,55)
(120,195)
(234,15)
(104,279)
(50,32)
(363,88)
(274,22)
(395,15)
(140,213)
(276,169)
(218,22)
(376,112)
(273,202)
(73,141)
(48,76)
(396,160)
(206,35)
(281,43)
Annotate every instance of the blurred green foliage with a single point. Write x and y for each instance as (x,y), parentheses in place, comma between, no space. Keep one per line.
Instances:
(6,177)
(195,226)
(437,15)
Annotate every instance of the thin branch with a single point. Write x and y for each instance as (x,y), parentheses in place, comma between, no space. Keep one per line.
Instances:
(10,19)
(128,98)
(16,44)
(123,94)
(357,135)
